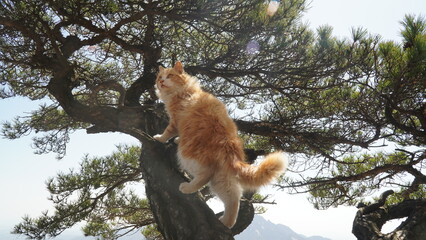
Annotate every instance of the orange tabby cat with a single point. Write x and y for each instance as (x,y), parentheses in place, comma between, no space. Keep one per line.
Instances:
(209,147)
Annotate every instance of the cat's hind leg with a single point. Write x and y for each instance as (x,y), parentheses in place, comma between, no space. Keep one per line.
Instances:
(200,179)
(201,174)
(230,193)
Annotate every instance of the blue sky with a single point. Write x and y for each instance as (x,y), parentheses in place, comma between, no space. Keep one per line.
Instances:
(23,174)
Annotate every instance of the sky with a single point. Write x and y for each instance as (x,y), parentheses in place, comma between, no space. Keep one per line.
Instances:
(23,174)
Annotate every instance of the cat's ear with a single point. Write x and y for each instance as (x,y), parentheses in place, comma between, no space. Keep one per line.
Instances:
(161,68)
(178,67)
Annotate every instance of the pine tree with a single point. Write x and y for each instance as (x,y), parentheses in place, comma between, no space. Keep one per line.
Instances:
(323,99)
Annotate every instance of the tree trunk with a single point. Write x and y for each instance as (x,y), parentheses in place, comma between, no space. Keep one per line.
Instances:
(370,219)
(178,215)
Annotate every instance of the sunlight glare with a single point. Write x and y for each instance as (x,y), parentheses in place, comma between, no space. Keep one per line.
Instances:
(252,47)
(272,8)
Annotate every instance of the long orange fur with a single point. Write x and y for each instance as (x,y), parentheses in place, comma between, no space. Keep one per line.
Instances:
(208,145)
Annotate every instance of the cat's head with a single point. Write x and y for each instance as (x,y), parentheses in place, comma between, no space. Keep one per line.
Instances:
(171,79)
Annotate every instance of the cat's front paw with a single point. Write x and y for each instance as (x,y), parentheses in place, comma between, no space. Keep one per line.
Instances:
(159,138)
(186,188)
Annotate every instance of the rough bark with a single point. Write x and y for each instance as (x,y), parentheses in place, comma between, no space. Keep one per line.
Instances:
(370,219)
(182,216)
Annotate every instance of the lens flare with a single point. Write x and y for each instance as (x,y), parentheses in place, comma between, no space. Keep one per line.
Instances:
(272,8)
(252,47)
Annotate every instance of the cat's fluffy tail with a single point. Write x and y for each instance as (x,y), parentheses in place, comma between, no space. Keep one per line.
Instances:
(252,177)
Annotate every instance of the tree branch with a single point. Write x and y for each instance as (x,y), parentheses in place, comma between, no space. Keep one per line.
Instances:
(370,219)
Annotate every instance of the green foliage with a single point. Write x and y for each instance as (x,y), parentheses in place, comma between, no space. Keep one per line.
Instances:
(379,101)
(403,194)
(358,176)
(49,119)
(256,142)
(151,232)
(260,201)
(322,98)
(100,193)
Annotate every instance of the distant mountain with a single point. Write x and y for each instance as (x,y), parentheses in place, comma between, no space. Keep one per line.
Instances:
(262,229)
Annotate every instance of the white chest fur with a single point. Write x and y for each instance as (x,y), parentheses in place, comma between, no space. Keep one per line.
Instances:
(189,165)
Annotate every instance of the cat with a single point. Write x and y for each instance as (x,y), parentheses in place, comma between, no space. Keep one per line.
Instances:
(209,148)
